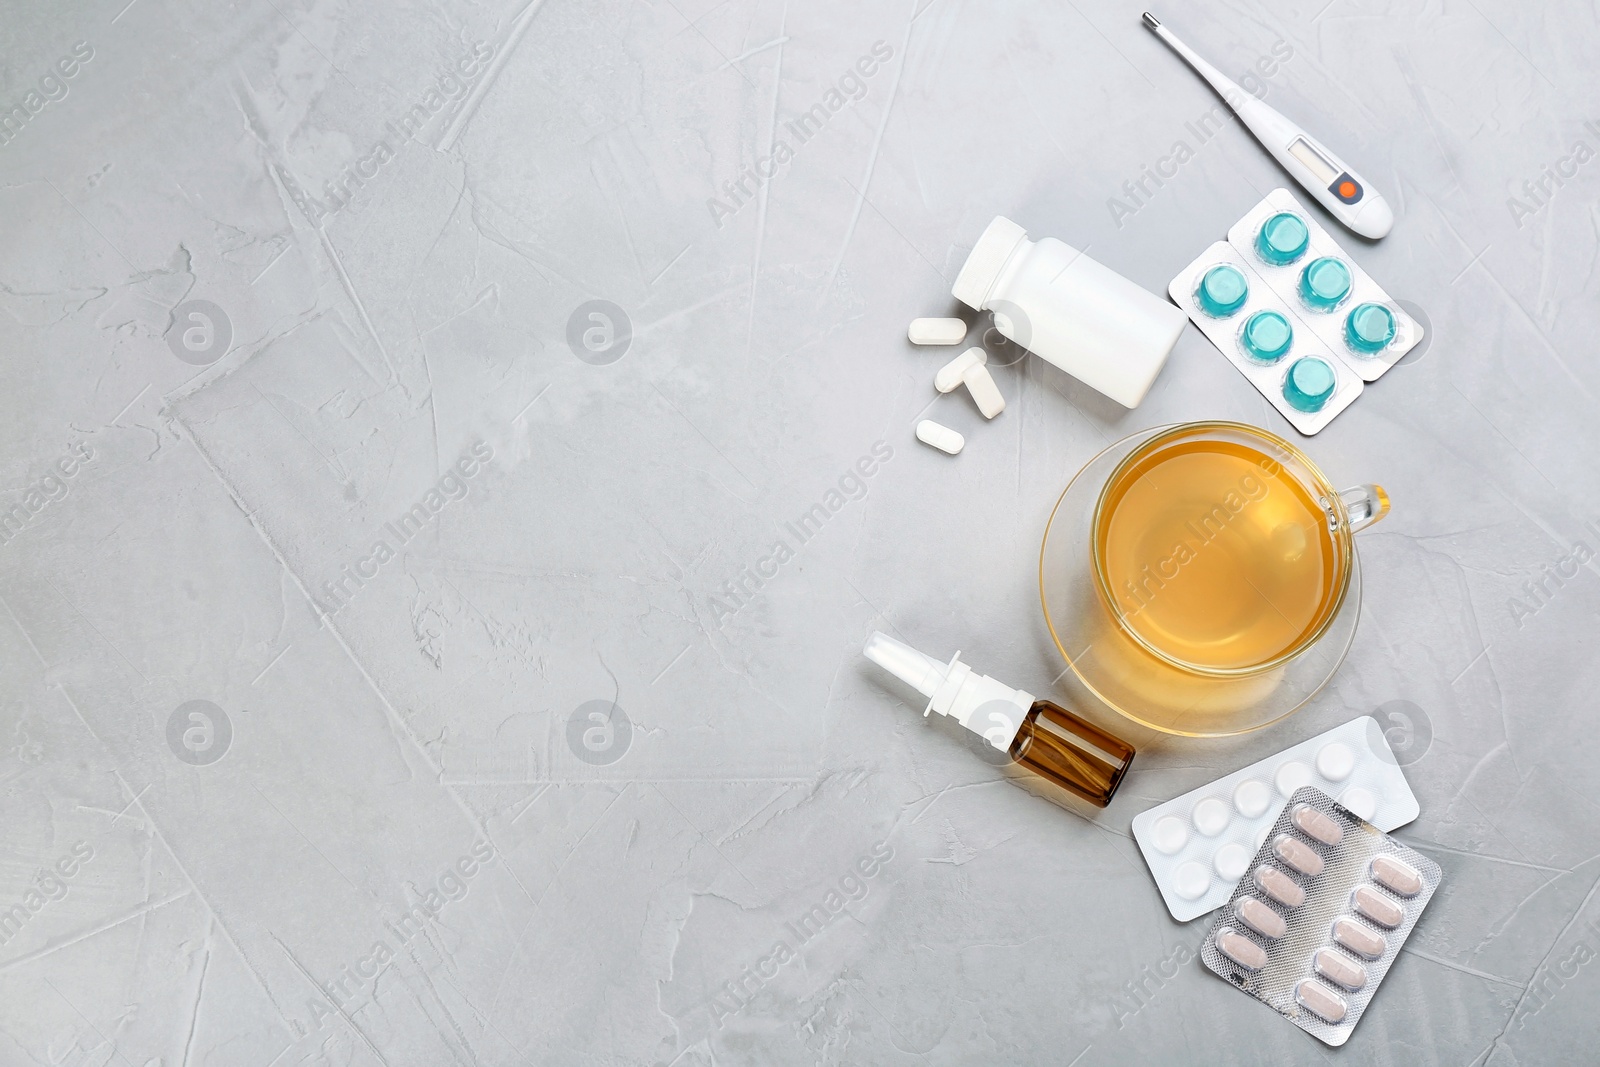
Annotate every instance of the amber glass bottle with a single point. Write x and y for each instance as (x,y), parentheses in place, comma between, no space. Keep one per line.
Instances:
(1071,752)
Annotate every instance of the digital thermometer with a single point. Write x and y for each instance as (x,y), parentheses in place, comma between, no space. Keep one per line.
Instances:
(1346,195)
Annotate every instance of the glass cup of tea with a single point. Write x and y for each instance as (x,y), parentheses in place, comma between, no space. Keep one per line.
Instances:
(1202,578)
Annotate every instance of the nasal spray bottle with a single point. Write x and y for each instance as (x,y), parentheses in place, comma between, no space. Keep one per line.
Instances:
(1045,738)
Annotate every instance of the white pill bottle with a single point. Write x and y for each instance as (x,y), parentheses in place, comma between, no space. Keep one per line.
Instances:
(1061,305)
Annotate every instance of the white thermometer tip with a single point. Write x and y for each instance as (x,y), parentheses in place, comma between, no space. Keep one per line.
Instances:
(1374,220)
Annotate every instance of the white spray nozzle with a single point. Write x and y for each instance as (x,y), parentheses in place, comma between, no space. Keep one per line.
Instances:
(905,663)
(976,701)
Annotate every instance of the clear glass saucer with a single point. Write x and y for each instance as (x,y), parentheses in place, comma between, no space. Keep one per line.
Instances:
(1129,679)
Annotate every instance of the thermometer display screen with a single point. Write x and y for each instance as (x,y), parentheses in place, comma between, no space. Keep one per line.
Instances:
(1320,166)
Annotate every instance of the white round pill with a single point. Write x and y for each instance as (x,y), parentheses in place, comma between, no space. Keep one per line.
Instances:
(1292,776)
(1170,834)
(1360,801)
(1192,881)
(1252,798)
(1231,861)
(1210,816)
(1335,762)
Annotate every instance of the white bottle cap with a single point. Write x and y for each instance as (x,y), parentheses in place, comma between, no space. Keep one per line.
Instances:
(986,261)
(978,702)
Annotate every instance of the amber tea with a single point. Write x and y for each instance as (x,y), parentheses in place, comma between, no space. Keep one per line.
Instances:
(1214,556)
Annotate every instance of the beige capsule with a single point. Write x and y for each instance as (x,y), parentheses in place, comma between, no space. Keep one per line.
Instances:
(1279,886)
(1240,949)
(1318,998)
(1260,918)
(1339,969)
(1298,855)
(1358,939)
(1396,876)
(1371,904)
(1317,826)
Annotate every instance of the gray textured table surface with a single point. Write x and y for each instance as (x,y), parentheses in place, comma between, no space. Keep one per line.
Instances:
(391,833)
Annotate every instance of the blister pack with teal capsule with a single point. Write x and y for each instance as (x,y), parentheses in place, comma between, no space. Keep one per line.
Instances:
(1292,254)
(1265,336)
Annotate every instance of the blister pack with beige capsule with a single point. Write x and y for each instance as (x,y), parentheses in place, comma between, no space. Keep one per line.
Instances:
(1321,915)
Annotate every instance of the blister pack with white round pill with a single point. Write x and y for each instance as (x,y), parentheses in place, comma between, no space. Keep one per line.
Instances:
(1265,338)
(1321,917)
(1351,315)
(1198,846)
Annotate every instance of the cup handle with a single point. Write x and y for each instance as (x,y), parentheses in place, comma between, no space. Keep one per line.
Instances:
(1365,505)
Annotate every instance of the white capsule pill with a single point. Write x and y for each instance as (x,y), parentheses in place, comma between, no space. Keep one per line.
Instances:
(1360,802)
(1252,797)
(1336,761)
(950,375)
(1371,904)
(1292,776)
(941,437)
(1358,939)
(1279,886)
(1298,855)
(1318,998)
(1210,816)
(1192,881)
(980,383)
(1231,861)
(1240,949)
(1339,969)
(1260,918)
(937,331)
(1314,824)
(1396,876)
(1169,834)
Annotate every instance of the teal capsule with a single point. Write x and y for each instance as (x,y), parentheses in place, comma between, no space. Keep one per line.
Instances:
(1223,291)
(1369,328)
(1324,283)
(1266,336)
(1309,384)
(1282,239)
